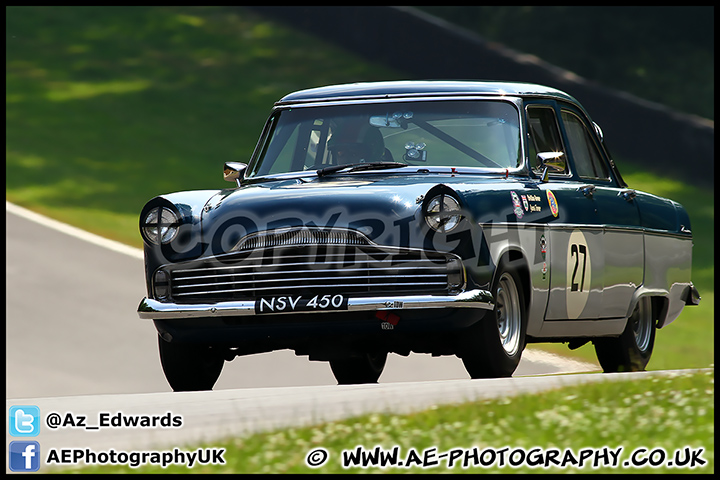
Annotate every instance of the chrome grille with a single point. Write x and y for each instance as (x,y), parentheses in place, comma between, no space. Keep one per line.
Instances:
(313,269)
(301,236)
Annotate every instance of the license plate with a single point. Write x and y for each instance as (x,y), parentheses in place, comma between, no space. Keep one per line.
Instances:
(300,303)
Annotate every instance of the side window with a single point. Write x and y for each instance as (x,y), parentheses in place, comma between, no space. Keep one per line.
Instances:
(544,134)
(588,161)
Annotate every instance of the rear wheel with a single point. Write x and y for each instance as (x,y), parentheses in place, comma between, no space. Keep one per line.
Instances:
(492,347)
(189,367)
(631,351)
(366,368)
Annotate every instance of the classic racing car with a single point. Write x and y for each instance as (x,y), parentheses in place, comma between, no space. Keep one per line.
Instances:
(444,217)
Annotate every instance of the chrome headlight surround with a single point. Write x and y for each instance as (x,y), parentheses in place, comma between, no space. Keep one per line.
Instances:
(159,225)
(443,213)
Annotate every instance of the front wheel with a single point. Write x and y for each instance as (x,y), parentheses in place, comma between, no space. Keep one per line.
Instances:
(631,351)
(492,347)
(189,367)
(366,368)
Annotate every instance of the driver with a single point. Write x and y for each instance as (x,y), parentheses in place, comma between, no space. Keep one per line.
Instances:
(356,141)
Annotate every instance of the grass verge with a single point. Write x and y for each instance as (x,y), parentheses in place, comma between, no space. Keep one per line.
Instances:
(658,421)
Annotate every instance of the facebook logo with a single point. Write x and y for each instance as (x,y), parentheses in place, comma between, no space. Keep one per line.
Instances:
(24,456)
(24,421)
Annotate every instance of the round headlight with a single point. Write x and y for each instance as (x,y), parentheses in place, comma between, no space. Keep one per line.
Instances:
(443,213)
(160,225)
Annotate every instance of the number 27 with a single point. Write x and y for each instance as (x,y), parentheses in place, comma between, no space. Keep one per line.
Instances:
(576,251)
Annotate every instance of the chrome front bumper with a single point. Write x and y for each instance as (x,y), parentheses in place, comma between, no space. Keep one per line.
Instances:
(152,309)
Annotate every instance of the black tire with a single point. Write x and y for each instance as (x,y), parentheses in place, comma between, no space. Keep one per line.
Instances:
(631,351)
(366,368)
(189,367)
(492,347)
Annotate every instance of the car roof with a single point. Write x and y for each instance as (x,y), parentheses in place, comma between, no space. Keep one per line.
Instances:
(413,88)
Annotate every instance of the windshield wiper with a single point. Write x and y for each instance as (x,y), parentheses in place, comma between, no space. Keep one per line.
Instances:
(360,166)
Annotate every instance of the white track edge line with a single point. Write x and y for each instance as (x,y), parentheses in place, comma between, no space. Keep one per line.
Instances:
(137,253)
(570,364)
(73,231)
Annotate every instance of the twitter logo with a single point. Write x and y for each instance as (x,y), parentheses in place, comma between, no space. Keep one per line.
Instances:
(24,421)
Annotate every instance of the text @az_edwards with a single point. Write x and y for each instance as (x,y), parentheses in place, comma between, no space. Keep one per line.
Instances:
(56,420)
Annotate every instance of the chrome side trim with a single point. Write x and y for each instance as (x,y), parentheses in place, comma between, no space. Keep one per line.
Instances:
(152,309)
(683,235)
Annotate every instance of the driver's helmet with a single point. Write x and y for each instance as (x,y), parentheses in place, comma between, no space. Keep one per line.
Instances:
(356,141)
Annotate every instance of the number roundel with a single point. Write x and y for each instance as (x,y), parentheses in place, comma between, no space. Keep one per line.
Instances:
(578,274)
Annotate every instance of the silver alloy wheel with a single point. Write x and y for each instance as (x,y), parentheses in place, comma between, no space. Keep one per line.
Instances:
(642,324)
(509,316)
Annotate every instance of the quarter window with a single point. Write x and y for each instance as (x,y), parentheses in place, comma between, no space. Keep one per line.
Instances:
(588,162)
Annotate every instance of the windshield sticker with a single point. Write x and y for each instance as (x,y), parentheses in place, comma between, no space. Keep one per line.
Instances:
(553,203)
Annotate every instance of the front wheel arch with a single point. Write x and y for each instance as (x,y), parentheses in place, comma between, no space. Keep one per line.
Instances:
(493,346)
(516,260)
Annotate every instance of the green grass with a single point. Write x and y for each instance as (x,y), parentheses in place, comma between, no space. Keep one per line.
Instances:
(107,107)
(669,413)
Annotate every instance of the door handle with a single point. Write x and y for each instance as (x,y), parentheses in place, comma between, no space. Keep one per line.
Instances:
(628,194)
(587,190)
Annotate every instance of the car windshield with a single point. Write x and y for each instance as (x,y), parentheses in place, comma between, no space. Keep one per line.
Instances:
(468,133)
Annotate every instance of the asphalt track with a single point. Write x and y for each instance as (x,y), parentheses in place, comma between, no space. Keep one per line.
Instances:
(74,343)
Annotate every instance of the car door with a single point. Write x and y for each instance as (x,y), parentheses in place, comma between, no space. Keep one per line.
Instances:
(614,209)
(574,238)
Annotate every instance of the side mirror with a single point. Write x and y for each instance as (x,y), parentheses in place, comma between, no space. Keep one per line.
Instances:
(234,171)
(551,161)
